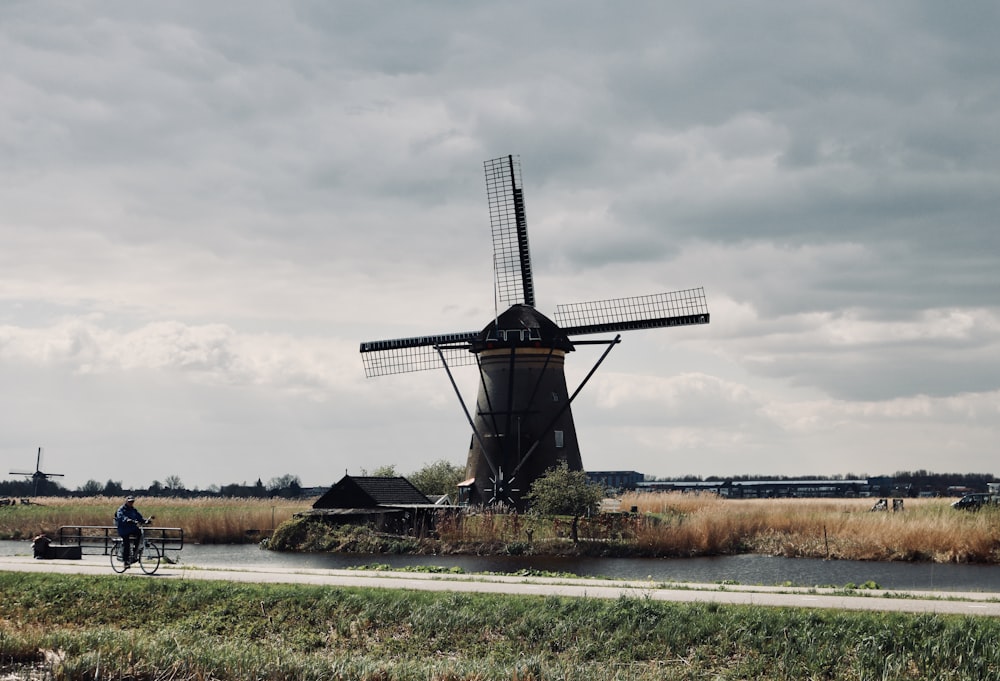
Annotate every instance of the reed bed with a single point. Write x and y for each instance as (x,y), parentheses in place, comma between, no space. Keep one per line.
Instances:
(927,529)
(682,526)
(207,520)
(672,524)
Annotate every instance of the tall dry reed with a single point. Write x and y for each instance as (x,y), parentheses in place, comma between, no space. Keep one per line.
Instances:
(675,524)
(203,519)
(926,529)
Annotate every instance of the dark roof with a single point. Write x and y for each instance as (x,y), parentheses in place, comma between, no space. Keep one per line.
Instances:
(369,492)
(522,326)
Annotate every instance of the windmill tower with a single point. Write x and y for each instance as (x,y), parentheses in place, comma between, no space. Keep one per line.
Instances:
(522,423)
(37,476)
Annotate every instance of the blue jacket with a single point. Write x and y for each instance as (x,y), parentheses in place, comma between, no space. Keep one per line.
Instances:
(123,516)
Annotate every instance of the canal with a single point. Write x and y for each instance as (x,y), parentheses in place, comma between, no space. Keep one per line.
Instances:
(742,569)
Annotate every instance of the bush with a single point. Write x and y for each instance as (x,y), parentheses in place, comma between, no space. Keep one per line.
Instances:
(564,492)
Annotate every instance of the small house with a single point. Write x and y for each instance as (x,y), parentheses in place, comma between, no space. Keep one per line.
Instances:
(391,504)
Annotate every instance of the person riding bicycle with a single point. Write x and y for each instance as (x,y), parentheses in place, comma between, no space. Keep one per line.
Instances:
(128,518)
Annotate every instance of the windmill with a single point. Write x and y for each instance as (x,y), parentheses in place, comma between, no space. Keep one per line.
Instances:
(522,424)
(37,476)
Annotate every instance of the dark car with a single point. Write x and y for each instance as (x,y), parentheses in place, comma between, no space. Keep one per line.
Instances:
(974,502)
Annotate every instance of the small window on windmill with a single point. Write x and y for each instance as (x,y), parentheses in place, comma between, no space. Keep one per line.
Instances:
(555,397)
(560,441)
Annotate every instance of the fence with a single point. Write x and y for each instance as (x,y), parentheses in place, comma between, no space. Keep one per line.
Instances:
(98,539)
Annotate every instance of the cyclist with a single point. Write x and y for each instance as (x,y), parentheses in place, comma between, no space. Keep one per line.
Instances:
(127,518)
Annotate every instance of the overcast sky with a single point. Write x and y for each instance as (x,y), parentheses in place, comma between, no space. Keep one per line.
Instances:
(206,207)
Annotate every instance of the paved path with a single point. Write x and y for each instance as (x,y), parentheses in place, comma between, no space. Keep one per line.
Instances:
(967,603)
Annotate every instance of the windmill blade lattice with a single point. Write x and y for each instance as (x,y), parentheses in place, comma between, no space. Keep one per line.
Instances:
(511,257)
(403,355)
(679,308)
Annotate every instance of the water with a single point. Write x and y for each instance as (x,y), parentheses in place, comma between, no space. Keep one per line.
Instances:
(746,569)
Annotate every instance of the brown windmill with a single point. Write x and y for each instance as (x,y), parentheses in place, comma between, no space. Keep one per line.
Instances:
(522,424)
(39,478)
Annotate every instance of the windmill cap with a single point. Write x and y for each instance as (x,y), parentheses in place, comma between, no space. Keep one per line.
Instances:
(523,325)
(130,498)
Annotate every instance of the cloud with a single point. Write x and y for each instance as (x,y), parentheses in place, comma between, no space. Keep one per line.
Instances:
(210,207)
(210,354)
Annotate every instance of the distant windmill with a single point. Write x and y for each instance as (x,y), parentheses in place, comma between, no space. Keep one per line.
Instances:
(523,424)
(38,477)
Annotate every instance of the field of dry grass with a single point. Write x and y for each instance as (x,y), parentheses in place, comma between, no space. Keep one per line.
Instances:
(927,529)
(204,520)
(678,525)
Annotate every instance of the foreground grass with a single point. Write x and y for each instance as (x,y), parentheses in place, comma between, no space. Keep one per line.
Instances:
(208,520)
(142,628)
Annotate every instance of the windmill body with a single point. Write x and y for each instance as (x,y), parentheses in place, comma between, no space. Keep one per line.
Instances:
(522,422)
(522,409)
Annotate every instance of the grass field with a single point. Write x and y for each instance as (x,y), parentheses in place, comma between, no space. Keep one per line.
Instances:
(76,627)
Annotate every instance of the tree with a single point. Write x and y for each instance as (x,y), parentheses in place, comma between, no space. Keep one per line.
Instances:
(561,491)
(439,477)
(388,471)
(283,482)
(287,485)
(91,488)
(173,482)
(112,488)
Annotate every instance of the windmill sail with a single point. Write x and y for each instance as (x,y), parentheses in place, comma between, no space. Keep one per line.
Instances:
(403,355)
(679,308)
(511,259)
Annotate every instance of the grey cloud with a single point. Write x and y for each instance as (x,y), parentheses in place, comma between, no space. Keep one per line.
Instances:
(311,172)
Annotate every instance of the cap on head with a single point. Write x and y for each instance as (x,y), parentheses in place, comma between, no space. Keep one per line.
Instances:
(130,498)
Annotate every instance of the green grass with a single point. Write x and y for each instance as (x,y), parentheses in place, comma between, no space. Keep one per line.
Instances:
(148,628)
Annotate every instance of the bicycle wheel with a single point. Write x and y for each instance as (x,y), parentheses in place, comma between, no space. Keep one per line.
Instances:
(117,564)
(149,558)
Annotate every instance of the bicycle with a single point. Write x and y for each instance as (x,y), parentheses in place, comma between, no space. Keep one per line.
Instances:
(144,552)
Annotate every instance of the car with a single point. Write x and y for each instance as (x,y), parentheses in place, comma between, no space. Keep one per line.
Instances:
(974,502)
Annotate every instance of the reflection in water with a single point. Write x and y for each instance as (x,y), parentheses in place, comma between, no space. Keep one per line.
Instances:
(747,569)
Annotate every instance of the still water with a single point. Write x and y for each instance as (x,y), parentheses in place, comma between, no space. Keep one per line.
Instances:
(747,569)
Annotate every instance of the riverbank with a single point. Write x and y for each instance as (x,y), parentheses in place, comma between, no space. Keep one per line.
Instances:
(78,627)
(666,525)
(679,526)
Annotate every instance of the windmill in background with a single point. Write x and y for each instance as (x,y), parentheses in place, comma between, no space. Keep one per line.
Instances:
(37,476)
(522,424)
